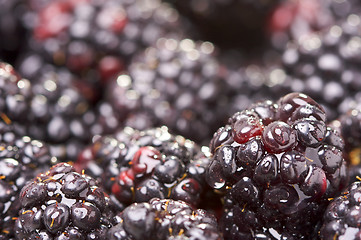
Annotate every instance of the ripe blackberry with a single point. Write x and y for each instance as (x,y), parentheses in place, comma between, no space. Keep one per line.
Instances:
(57,105)
(15,93)
(63,204)
(164,219)
(291,20)
(94,38)
(21,159)
(177,83)
(349,124)
(230,24)
(341,218)
(50,107)
(136,166)
(277,164)
(327,64)
(350,127)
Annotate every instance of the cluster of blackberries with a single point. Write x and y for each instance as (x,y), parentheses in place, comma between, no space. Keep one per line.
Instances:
(109,113)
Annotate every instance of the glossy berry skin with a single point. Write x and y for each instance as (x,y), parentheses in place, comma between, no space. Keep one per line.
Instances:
(164,219)
(175,82)
(349,125)
(62,204)
(21,159)
(341,218)
(136,166)
(277,165)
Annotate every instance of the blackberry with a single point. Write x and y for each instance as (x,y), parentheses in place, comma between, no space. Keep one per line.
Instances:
(94,38)
(49,108)
(15,93)
(63,204)
(350,127)
(21,159)
(341,218)
(58,105)
(253,83)
(177,83)
(136,166)
(249,80)
(276,164)
(291,20)
(349,124)
(326,65)
(230,24)
(164,219)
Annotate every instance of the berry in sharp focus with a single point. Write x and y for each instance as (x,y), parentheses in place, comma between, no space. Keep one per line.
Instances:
(276,163)
(137,166)
(63,204)
(341,219)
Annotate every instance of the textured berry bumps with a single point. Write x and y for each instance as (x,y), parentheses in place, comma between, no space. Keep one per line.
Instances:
(277,164)
(137,166)
(63,204)
(164,219)
(342,216)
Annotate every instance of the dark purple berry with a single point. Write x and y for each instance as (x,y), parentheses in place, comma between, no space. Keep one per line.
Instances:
(70,207)
(136,166)
(164,219)
(276,178)
(342,217)
(279,137)
(56,217)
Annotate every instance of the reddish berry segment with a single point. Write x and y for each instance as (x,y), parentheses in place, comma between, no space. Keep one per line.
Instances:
(246,126)
(84,35)
(276,179)
(279,137)
(137,166)
(145,160)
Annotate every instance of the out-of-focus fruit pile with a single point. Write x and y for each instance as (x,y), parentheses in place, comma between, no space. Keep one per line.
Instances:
(180,119)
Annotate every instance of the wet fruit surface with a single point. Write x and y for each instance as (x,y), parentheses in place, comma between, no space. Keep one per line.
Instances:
(137,166)
(65,202)
(273,175)
(21,159)
(342,216)
(132,91)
